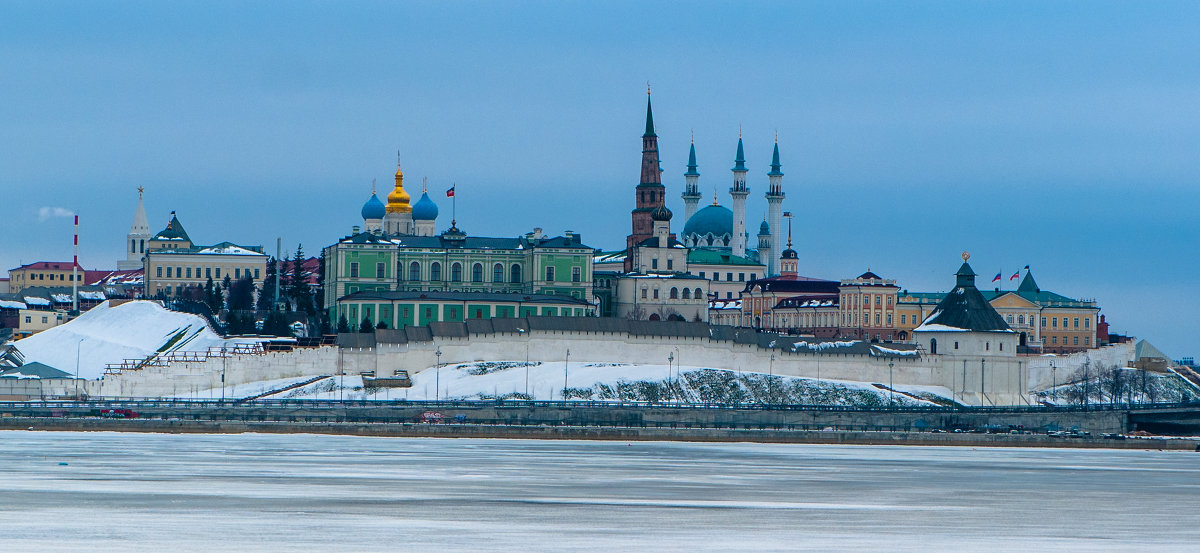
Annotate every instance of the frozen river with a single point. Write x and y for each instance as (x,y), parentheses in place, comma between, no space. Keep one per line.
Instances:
(155,492)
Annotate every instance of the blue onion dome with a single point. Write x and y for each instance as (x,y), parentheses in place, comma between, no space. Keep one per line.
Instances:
(424,209)
(373,209)
(764,228)
(714,219)
(661,213)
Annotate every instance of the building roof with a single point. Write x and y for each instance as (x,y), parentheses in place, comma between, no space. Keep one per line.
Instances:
(373,208)
(174,231)
(48,266)
(808,301)
(706,256)
(223,248)
(964,309)
(795,284)
(1028,289)
(35,370)
(388,295)
(652,242)
(424,209)
(714,219)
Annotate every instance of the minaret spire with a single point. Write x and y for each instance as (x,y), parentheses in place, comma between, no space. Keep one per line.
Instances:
(775,198)
(738,192)
(691,186)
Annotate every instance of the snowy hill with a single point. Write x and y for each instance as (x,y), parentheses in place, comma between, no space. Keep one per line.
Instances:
(110,334)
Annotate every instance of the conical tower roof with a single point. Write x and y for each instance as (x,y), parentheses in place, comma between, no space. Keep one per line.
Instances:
(775,165)
(964,309)
(140,224)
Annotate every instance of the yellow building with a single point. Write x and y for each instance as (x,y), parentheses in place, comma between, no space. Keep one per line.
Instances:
(169,271)
(43,273)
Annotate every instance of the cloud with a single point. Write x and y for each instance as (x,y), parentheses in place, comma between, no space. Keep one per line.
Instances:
(48,212)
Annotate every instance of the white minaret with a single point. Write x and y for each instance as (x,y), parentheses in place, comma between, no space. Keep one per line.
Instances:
(765,248)
(135,241)
(739,191)
(775,197)
(691,186)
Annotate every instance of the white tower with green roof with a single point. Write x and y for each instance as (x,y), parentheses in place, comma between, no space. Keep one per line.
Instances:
(738,192)
(775,197)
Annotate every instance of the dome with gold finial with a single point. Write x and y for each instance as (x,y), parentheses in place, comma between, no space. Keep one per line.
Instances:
(398,199)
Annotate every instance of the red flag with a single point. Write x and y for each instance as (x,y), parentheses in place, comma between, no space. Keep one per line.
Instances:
(450,192)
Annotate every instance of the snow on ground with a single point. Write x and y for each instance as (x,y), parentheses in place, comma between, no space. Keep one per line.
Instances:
(110,334)
(507,379)
(240,391)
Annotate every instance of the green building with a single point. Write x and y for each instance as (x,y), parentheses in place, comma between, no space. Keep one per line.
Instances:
(401,309)
(526,267)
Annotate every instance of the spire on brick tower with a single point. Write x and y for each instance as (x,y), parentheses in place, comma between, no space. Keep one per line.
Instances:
(738,192)
(775,198)
(650,191)
(691,186)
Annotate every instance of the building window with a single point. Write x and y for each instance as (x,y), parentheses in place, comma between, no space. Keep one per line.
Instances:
(1008,318)
(728,276)
(399,270)
(1076,325)
(1087,322)
(477,272)
(670,264)
(1001,346)
(353,270)
(687,293)
(435,271)
(456,272)
(550,274)
(878,300)
(728,295)
(889,319)
(1054,322)
(674,293)
(877,319)
(753,276)
(217,272)
(414,271)
(380,271)
(699,294)
(237,272)
(577,273)
(655,293)
(987,346)
(497,273)
(643,293)
(158,272)
(1054,340)
(1043,322)
(189,272)
(1021,319)
(742,277)
(716,276)
(514,273)
(654,263)
(1087,340)
(1076,341)
(701,274)
(903,319)
(955,345)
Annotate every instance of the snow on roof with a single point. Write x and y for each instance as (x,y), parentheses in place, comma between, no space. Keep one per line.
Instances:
(818,346)
(227,249)
(889,351)
(938,328)
(37,301)
(12,304)
(89,295)
(61,298)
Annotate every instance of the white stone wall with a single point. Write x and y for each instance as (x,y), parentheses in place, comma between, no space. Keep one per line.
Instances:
(986,380)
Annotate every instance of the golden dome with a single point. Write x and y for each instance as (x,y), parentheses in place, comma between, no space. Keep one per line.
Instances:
(398,199)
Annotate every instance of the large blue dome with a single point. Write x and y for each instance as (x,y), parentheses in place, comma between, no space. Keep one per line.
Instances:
(373,209)
(714,219)
(424,209)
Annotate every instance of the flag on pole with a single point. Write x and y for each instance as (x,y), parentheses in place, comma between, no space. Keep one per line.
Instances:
(450,192)
(1015,276)
(996,278)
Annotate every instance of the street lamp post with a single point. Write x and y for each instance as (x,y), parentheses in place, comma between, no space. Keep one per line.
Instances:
(222,374)
(1053,381)
(891,390)
(437,376)
(982,380)
(566,364)
(670,360)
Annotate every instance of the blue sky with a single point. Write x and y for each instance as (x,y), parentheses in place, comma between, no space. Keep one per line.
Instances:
(1061,135)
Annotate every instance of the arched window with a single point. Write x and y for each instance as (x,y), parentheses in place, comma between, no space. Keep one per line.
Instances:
(497,273)
(687,293)
(414,271)
(933,346)
(477,272)
(456,272)
(133,246)
(435,271)
(141,246)
(699,294)
(514,273)
(674,293)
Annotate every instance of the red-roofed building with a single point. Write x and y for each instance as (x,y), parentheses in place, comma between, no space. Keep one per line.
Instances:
(43,273)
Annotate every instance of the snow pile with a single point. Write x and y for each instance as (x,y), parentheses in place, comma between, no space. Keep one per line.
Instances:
(820,346)
(618,382)
(111,334)
(877,349)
